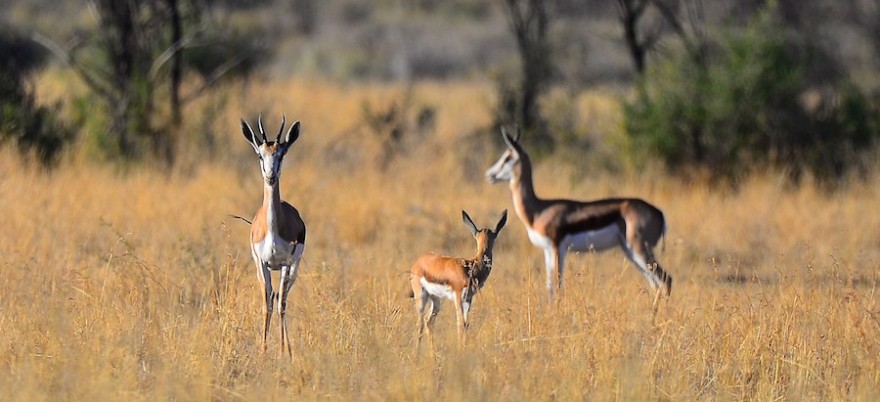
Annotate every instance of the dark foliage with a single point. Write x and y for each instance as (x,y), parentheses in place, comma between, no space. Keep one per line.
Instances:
(753,104)
(34,128)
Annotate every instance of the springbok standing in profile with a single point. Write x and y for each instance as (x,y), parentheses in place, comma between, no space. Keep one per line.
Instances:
(556,226)
(278,234)
(435,278)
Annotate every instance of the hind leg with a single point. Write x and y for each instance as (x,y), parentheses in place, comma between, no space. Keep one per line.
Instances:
(421,302)
(429,323)
(642,257)
(288,277)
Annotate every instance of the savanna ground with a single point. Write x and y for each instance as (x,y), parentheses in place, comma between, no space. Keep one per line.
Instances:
(135,284)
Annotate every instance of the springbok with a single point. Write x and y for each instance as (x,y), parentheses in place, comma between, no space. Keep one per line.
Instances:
(435,277)
(556,226)
(278,234)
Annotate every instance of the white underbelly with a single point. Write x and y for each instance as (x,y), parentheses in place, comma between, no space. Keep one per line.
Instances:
(277,252)
(594,240)
(439,290)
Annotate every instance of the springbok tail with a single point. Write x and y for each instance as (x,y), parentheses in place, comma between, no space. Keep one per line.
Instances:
(238,217)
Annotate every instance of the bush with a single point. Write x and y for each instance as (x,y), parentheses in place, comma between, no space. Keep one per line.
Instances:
(34,128)
(741,109)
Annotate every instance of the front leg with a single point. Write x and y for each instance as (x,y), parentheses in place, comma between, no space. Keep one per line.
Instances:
(459,318)
(266,279)
(288,277)
(550,258)
(466,308)
(286,282)
(560,268)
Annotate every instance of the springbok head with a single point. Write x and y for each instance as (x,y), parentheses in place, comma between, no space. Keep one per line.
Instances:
(485,237)
(507,168)
(271,153)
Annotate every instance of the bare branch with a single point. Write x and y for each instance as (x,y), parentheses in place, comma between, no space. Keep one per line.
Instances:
(215,76)
(69,62)
(168,54)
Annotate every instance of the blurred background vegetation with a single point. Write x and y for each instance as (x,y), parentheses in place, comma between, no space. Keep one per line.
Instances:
(708,90)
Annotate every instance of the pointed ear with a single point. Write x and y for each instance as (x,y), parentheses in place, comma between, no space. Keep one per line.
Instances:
(292,133)
(501,222)
(469,223)
(291,136)
(249,135)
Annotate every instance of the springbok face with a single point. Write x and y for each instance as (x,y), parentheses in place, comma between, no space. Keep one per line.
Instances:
(485,237)
(271,153)
(505,170)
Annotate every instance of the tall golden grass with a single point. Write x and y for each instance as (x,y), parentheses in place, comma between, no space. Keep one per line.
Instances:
(139,286)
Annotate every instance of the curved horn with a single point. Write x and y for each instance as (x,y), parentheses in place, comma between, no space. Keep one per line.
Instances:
(280,130)
(507,140)
(260,123)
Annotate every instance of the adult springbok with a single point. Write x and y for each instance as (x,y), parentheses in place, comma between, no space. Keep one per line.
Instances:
(557,226)
(435,278)
(278,234)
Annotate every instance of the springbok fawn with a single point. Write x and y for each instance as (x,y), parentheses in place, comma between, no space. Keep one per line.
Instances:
(434,278)
(278,234)
(556,226)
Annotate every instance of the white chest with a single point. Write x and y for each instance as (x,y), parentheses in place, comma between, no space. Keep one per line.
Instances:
(276,251)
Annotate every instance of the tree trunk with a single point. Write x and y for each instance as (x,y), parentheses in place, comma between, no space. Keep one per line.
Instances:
(630,13)
(529,23)
(176,63)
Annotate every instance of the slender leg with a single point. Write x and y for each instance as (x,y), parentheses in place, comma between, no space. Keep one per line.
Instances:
(289,274)
(550,267)
(560,267)
(288,277)
(282,278)
(664,279)
(421,302)
(640,254)
(429,325)
(266,278)
(656,303)
(466,303)
(459,318)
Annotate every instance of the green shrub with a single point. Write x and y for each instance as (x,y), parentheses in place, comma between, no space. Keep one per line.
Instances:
(741,109)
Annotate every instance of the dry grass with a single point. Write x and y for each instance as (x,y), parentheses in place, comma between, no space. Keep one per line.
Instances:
(139,286)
